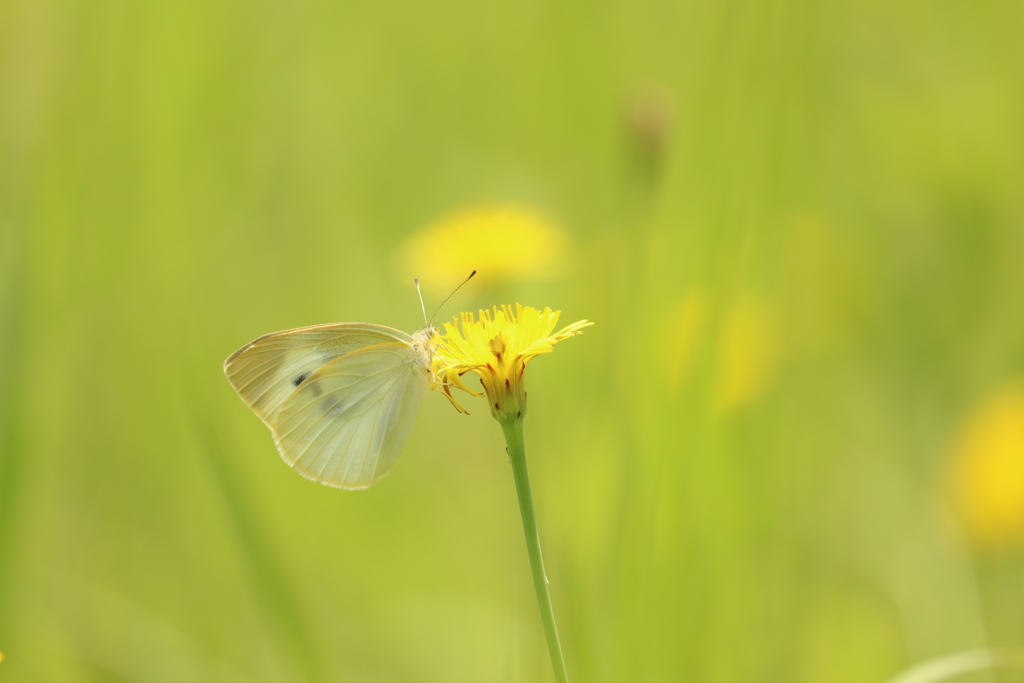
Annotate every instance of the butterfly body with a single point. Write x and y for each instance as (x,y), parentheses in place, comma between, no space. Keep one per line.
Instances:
(339,398)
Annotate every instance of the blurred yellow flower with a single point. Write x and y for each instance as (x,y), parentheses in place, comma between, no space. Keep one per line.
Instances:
(988,469)
(497,347)
(501,242)
(747,354)
(678,340)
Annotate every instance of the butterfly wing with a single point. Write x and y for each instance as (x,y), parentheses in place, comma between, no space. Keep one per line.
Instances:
(266,371)
(346,423)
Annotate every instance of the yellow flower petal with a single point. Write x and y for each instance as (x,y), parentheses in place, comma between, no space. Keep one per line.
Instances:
(497,347)
(988,469)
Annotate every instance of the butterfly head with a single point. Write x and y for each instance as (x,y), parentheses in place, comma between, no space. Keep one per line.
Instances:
(426,337)
(423,343)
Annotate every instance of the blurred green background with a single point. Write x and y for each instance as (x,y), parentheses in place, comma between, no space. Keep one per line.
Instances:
(790,449)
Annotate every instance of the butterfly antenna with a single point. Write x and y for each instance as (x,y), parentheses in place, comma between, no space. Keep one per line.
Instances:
(449,297)
(422,307)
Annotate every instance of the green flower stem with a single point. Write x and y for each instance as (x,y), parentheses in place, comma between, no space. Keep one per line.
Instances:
(513,430)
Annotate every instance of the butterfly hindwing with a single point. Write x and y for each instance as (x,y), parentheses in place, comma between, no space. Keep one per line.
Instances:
(345,424)
(267,371)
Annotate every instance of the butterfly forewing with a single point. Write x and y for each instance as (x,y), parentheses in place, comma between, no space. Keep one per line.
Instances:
(267,371)
(345,423)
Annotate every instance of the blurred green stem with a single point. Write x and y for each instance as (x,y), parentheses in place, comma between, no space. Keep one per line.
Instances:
(513,430)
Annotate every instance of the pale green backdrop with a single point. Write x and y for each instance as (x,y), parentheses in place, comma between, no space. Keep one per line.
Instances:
(799,228)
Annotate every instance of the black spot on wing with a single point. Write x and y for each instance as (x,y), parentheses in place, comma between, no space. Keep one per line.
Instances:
(300,379)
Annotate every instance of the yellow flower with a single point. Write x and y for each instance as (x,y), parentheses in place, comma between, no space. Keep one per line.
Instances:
(988,469)
(478,238)
(497,347)
(747,354)
(679,341)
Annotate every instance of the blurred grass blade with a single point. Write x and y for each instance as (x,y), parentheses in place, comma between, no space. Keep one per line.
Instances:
(271,582)
(127,640)
(945,668)
(13,331)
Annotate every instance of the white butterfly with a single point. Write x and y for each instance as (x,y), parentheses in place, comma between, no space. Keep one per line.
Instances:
(340,398)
